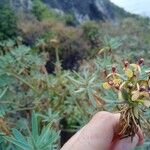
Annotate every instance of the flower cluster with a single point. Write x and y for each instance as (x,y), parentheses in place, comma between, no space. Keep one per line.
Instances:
(129,86)
(133,90)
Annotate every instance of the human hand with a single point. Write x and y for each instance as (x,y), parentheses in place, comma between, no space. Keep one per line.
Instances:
(99,134)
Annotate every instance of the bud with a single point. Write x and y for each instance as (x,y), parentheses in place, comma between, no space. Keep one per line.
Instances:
(54,43)
(142,89)
(126,63)
(141,61)
(110,83)
(114,69)
(105,72)
(117,86)
(130,85)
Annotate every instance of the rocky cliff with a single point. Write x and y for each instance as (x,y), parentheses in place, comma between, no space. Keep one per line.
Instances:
(87,9)
(81,9)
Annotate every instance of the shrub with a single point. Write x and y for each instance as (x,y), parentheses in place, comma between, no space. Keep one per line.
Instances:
(70,20)
(8,26)
(42,11)
(91,32)
(37,138)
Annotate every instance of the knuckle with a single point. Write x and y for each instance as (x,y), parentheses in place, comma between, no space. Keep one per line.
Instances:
(102,115)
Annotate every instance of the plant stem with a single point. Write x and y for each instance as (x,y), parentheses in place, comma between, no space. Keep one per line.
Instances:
(57,55)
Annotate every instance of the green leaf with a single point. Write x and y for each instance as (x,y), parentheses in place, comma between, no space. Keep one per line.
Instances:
(125,95)
(19,137)
(3,93)
(24,146)
(34,126)
(136,112)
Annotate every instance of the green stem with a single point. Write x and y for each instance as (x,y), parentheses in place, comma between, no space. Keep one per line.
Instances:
(22,109)
(57,55)
(3,93)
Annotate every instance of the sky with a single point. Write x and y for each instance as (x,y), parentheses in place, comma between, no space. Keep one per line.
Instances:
(141,7)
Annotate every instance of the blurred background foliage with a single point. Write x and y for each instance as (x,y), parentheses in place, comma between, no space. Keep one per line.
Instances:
(52,69)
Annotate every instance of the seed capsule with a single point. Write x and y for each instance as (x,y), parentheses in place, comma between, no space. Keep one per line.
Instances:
(135,95)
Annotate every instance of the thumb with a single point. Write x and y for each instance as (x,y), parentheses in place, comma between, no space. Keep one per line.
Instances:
(126,144)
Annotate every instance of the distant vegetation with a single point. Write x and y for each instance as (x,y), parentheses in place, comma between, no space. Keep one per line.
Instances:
(8,20)
(52,70)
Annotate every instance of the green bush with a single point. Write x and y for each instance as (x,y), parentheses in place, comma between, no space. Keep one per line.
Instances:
(36,139)
(8,27)
(29,85)
(70,20)
(42,12)
(91,31)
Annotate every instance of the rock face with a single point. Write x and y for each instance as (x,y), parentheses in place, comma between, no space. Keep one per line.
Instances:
(82,9)
(85,9)
(25,5)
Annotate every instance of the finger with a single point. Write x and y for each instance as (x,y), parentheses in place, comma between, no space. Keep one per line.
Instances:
(126,144)
(141,137)
(97,134)
(73,140)
(100,130)
(117,140)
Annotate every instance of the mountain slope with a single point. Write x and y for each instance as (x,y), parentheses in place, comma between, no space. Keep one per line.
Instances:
(87,9)
(81,10)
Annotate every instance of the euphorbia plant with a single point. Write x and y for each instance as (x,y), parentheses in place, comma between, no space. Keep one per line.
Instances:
(133,89)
